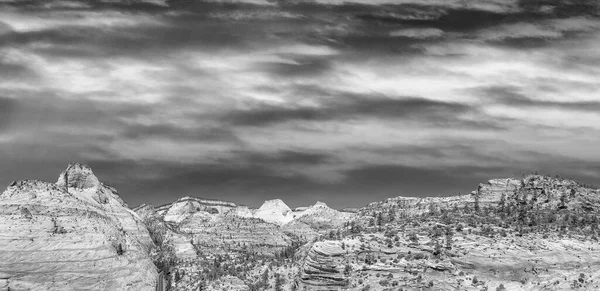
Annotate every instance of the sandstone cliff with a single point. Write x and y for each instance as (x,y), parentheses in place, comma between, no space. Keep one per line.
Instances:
(73,235)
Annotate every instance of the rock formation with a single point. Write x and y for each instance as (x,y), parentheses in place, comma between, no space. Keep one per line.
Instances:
(274,211)
(73,235)
(535,233)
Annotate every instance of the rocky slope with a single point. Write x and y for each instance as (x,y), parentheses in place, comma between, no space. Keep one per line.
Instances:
(536,233)
(219,225)
(202,232)
(72,235)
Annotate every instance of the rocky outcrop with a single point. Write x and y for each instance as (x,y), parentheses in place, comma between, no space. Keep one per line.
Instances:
(320,217)
(231,232)
(73,235)
(78,176)
(186,206)
(324,266)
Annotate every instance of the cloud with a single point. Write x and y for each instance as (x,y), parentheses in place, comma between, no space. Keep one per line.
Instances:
(545,30)
(349,106)
(303,100)
(420,33)
(512,97)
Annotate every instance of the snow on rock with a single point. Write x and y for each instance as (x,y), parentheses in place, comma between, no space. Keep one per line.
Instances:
(79,237)
(275,211)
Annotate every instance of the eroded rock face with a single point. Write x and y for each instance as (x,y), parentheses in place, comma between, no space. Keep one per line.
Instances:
(274,211)
(78,176)
(324,266)
(186,206)
(76,238)
(321,217)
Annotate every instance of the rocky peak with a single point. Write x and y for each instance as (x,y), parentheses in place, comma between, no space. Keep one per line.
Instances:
(275,205)
(320,204)
(103,242)
(274,211)
(78,176)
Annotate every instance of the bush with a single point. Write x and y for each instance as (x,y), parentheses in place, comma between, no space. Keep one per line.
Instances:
(120,250)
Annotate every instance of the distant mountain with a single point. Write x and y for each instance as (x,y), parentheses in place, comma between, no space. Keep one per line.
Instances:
(274,211)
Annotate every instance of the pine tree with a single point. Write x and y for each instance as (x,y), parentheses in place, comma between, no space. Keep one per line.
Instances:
(347,269)
(380,220)
(563,200)
(502,204)
(449,238)
(477,196)
(438,248)
(278,282)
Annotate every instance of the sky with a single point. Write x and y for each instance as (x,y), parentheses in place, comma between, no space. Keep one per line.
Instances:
(345,102)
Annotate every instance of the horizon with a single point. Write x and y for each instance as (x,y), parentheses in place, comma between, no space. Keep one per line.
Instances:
(345,102)
(254,204)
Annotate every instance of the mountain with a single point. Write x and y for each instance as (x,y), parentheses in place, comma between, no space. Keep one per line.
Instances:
(534,233)
(197,225)
(72,235)
(319,216)
(274,211)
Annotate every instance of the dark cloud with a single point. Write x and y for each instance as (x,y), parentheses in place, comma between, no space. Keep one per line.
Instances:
(178,133)
(304,66)
(561,8)
(10,71)
(513,97)
(352,106)
(37,109)
(437,17)
(289,157)
(271,114)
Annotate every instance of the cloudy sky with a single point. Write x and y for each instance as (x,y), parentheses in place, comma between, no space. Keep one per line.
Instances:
(343,102)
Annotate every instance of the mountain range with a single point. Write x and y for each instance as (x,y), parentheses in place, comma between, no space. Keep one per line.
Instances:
(533,233)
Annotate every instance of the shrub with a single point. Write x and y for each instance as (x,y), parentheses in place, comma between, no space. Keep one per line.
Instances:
(120,250)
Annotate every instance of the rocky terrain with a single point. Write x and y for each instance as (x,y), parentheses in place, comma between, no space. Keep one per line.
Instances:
(534,233)
(211,241)
(75,234)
